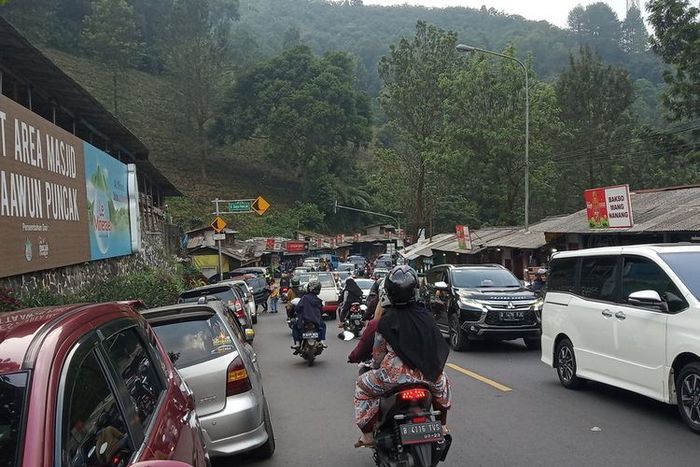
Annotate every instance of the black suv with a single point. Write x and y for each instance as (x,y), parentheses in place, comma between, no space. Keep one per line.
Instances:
(480,302)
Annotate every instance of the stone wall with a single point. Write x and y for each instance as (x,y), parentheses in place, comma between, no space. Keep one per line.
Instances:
(156,251)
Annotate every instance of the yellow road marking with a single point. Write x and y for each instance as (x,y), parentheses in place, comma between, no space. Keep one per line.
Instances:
(478,377)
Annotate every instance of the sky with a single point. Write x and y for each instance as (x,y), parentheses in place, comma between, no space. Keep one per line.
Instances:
(554,11)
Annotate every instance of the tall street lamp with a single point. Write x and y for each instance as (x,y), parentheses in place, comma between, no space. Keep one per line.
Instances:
(467,49)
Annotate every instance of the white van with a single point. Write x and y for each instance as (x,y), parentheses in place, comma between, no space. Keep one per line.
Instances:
(628,317)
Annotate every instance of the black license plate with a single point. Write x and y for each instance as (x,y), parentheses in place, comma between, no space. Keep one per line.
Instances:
(309,335)
(512,315)
(419,433)
(356,316)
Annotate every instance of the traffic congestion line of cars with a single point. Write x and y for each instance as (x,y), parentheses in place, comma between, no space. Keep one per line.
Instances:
(104,384)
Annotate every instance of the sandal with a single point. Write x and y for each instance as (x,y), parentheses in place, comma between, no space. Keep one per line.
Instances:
(362,444)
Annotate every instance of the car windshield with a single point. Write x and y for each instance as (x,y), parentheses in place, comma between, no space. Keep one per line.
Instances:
(483,278)
(225,294)
(13,388)
(685,265)
(193,341)
(325,278)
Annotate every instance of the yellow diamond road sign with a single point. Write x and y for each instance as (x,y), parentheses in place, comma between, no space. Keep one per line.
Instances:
(260,205)
(218,224)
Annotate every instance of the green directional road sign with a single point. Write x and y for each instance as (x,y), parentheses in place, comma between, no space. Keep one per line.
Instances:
(241,205)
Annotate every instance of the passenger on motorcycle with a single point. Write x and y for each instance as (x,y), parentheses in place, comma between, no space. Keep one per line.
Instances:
(293,292)
(309,310)
(352,293)
(408,349)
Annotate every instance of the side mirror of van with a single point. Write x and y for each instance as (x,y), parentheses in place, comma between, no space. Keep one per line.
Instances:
(648,299)
(441,285)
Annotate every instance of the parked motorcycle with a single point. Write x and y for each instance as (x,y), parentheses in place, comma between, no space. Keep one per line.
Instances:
(409,434)
(354,322)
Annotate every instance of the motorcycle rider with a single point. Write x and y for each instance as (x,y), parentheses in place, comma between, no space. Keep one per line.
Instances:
(309,309)
(363,350)
(408,349)
(293,292)
(352,293)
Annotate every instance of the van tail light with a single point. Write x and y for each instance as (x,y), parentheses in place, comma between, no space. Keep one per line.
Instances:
(237,380)
(413,394)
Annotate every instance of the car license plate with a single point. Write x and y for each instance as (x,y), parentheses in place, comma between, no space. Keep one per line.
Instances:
(309,335)
(512,315)
(418,433)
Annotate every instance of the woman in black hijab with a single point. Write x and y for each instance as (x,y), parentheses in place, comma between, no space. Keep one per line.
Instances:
(408,349)
(352,293)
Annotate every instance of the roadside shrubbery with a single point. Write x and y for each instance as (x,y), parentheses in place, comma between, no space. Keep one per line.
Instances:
(154,286)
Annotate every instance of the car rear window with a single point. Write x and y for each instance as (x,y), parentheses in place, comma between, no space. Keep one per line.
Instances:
(225,294)
(194,340)
(13,389)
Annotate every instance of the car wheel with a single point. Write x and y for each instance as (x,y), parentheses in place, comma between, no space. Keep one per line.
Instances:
(533,343)
(566,365)
(688,395)
(268,449)
(458,339)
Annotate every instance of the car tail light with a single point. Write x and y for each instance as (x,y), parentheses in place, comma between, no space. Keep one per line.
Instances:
(237,380)
(413,394)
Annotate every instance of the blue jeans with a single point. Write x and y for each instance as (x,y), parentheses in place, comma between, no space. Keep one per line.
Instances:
(273,304)
(297,331)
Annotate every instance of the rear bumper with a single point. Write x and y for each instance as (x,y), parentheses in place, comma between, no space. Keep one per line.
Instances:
(239,427)
(330,308)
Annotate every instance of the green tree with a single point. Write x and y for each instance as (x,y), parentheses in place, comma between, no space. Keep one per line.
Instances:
(309,115)
(634,37)
(110,33)
(485,128)
(677,40)
(413,100)
(595,102)
(198,56)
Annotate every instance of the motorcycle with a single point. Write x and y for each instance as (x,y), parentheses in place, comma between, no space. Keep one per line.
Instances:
(283,295)
(409,434)
(310,346)
(354,322)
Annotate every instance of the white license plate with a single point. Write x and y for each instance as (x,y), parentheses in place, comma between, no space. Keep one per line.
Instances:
(512,315)
(309,335)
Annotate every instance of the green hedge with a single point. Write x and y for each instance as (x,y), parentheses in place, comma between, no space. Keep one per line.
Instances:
(154,286)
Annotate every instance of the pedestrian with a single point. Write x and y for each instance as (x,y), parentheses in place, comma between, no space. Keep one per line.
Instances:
(274,297)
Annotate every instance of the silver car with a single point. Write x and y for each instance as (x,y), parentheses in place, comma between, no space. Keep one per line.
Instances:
(209,348)
(247,294)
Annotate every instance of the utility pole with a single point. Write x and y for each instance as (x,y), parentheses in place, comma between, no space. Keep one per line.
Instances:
(218,243)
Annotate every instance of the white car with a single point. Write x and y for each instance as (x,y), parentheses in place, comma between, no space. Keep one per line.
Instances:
(628,317)
(329,290)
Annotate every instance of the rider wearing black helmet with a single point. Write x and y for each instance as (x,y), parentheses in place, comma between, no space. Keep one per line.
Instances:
(408,348)
(309,309)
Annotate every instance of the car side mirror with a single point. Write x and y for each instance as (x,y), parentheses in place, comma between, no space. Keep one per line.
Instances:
(648,299)
(249,335)
(441,285)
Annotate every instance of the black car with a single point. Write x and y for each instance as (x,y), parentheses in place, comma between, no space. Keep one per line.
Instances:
(482,302)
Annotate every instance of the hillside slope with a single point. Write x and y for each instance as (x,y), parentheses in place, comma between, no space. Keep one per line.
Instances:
(147,106)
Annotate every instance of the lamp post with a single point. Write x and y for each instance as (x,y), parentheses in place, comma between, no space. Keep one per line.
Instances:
(467,49)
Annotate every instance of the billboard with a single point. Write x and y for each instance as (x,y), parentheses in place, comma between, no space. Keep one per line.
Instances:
(609,207)
(62,201)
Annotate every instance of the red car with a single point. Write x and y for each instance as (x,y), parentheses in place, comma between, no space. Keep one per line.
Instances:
(87,385)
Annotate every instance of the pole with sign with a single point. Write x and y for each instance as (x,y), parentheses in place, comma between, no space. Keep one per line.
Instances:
(234,206)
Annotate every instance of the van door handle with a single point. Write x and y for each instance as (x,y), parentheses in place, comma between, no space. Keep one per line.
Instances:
(607,313)
(620,315)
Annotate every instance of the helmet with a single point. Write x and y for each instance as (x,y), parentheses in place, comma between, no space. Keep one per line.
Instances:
(295,282)
(314,287)
(541,272)
(401,285)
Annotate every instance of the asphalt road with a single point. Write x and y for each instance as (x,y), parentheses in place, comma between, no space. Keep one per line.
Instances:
(518,415)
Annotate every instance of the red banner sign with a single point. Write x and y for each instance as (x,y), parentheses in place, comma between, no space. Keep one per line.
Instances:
(609,207)
(270,244)
(295,246)
(463,237)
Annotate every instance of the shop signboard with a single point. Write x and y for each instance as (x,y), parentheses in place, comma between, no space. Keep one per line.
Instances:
(295,246)
(463,237)
(609,207)
(62,201)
